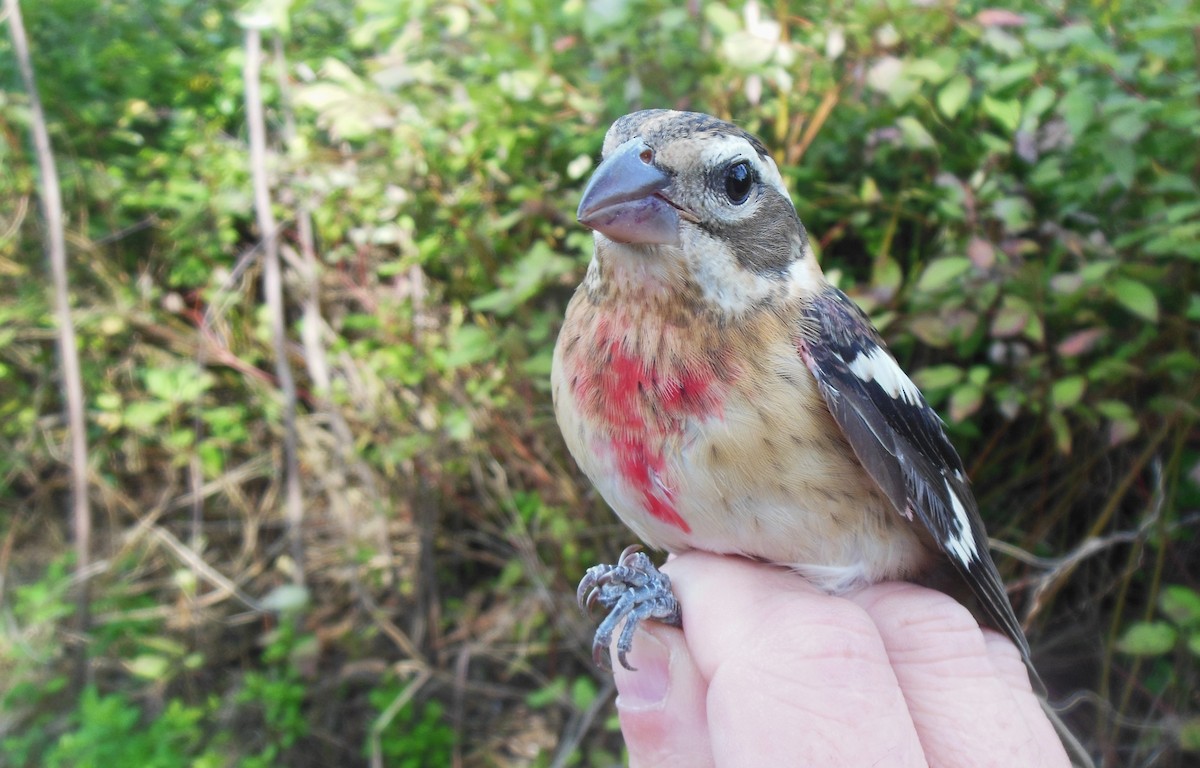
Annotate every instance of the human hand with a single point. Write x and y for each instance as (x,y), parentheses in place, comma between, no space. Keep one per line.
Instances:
(769,671)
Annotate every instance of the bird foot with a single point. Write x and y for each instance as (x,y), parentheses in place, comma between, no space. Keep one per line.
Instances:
(632,590)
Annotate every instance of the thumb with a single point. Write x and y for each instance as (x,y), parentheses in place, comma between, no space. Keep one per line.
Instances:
(661,703)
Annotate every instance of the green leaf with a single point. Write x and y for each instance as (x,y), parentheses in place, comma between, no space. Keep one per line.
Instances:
(998,79)
(1007,112)
(539,364)
(1047,39)
(470,344)
(1015,212)
(149,666)
(1193,644)
(1181,605)
(965,401)
(868,191)
(1114,409)
(888,275)
(547,694)
(1128,126)
(1136,297)
(1038,102)
(721,18)
(1124,162)
(1097,272)
(1067,392)
(1002,42)
(605,17)
(941,272)
(1012,318)
(1148,638)
(929,70)
(286,598)
(938,376)
(266,15)
(889,77)
(1189,735)
(1078,109)
(583,693)
(144,415)
(979,375)
(953,95)
(458,425)
(914,133)
(521,281)
(1062,431)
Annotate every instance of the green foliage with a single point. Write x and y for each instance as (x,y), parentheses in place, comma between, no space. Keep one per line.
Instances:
(111,729)
(1180,625)
(39,605)
(279,694)
(1011,193)
(416,735)
(1172,646)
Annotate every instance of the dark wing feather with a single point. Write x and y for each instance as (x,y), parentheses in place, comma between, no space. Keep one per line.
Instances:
(901,443)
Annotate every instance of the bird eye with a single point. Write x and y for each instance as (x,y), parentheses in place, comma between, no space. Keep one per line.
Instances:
(738,180)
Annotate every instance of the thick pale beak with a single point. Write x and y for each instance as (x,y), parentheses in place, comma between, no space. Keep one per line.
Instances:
(623,199)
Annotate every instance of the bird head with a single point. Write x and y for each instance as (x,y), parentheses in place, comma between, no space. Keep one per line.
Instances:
(682,199)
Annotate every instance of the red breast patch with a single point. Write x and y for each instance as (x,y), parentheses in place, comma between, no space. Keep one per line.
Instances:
(639,399)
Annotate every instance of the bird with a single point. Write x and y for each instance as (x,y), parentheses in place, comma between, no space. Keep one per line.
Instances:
(722,395)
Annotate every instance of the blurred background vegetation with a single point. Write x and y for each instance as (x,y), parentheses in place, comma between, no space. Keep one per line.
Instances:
(1011,192)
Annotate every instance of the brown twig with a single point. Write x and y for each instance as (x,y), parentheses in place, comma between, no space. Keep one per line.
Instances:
(1057,570)
(796,152)
(56,250)
(205,571)
(273,290)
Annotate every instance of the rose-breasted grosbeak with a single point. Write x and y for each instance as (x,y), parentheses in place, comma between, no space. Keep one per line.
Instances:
(723,396)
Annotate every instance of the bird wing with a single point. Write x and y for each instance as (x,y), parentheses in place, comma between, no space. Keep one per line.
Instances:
(901,442)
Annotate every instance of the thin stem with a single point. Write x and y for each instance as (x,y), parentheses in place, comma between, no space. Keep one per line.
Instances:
(273,290)
(72,382)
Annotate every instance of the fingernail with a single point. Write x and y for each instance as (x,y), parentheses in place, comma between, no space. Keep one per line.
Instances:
(645,687)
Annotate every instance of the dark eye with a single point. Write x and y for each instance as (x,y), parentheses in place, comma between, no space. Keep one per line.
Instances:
(738,180)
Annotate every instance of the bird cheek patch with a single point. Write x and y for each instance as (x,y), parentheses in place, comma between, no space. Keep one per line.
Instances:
(726,286)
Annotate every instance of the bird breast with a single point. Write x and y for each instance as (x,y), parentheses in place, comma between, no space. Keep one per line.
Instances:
(704,435)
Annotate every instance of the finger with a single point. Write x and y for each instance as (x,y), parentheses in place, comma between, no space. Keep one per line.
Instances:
(1006,660)
(661,704)
(796,677)
(945,670)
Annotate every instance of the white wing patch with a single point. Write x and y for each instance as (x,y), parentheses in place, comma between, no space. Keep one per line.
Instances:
(962,544)
(878,366)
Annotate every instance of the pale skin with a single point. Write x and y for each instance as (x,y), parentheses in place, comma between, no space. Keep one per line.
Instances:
(768,670)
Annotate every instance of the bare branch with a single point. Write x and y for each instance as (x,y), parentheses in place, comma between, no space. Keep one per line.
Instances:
(273,290)
(56,250)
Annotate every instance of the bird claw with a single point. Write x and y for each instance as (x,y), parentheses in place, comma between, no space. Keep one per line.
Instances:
(632,590)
